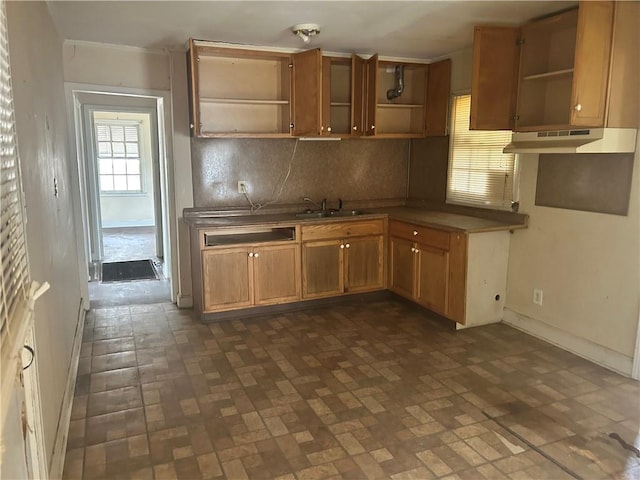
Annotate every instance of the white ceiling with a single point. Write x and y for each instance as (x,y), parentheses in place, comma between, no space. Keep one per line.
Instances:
(418,29)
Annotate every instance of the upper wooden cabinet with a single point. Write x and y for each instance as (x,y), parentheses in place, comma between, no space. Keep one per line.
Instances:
(239,92)
(342,96)
(254,93)
(578,68)
(422,107)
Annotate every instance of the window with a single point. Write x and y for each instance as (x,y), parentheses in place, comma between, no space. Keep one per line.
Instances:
(119,157)
(15,315)
(479,173)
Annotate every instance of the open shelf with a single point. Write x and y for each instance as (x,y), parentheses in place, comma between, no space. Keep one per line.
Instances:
(242,101)
(399,105)
(557,73)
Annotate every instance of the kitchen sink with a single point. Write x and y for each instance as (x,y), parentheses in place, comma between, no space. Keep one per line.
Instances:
(345,213)
(328,213)
(313,214)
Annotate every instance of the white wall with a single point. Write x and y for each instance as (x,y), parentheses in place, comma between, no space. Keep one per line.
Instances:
(117,66)
(585,263)
(36,67)
(587,266)
(131,210)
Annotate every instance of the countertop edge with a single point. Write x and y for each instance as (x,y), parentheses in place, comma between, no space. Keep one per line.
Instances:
(409,216)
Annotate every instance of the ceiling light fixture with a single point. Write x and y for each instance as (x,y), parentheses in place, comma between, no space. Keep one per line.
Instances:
(306,30)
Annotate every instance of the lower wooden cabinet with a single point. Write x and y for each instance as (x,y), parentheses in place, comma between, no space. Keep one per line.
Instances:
(420,272)
(344,257)
(246,276)
(420,267)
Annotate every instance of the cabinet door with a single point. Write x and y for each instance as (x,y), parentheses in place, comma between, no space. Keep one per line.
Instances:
(276,274)
(591,69)
(322,269)
(363,264)
(438,96)
(371,95)
(226,277)
(194,93)
(432,278)
(494,78)
(402,267)
(306,92)
(357,95)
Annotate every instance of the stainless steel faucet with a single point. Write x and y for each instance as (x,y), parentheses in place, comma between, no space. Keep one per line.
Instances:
(322,206)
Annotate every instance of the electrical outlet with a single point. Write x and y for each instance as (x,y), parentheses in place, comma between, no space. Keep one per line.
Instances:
(537,296)
(243,186)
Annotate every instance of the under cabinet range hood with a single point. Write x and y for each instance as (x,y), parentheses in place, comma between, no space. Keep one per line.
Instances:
(585,140)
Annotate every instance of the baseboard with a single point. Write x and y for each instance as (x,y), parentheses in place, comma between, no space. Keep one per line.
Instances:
(184,301)
(584,348)
(56,466)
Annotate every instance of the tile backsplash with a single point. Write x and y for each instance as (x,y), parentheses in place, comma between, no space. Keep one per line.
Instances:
(354,170)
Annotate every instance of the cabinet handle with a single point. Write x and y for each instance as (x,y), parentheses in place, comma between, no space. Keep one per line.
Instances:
(291,125)
(373,127)
(342,245)
(191,126)
(413,250)
(415,232)
(256,255)
(322,128)
(355,127)
(347,245)
(417,251)
(328,129)
(578,107)
(251,254)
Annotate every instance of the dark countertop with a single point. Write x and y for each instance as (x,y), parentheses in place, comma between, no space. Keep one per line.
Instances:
(206,218)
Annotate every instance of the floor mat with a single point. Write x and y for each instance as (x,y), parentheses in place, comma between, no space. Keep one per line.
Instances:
(133,270)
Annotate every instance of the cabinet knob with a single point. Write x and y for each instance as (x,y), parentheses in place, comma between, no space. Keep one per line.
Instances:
(578,107)
(355,127)
(251,254)
(291,125)
(342,245)
(191,126)
(416,251)
(347,245)
(256,255)
(328,129)
(322,128)
(415,232)
(413,249)
(373,127)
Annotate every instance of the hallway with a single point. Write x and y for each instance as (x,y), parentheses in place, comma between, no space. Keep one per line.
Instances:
(356,390)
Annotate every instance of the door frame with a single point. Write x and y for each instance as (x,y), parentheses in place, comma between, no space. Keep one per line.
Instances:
(93,182)
(76,95)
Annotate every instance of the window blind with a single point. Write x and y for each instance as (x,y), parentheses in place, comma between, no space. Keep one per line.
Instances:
(479,173)
(14,271)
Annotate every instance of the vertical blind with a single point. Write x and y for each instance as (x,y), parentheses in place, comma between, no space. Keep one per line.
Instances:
(14,272)
(479,173)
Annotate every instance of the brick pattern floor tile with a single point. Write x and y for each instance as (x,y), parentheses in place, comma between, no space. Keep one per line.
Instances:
(358,390)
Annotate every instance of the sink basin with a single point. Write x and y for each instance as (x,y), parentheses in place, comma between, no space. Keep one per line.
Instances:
(328,213)
(313,214)
(345,213)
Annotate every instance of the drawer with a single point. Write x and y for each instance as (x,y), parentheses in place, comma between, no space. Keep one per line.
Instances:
(325,231)
(416,233)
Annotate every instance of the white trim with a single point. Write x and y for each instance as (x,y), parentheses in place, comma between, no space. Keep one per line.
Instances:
(185,301)
(33,404)
(164,117)
(56,466)
(582,347)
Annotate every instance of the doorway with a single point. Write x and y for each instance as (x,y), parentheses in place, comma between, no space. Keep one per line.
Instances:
(124,198)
